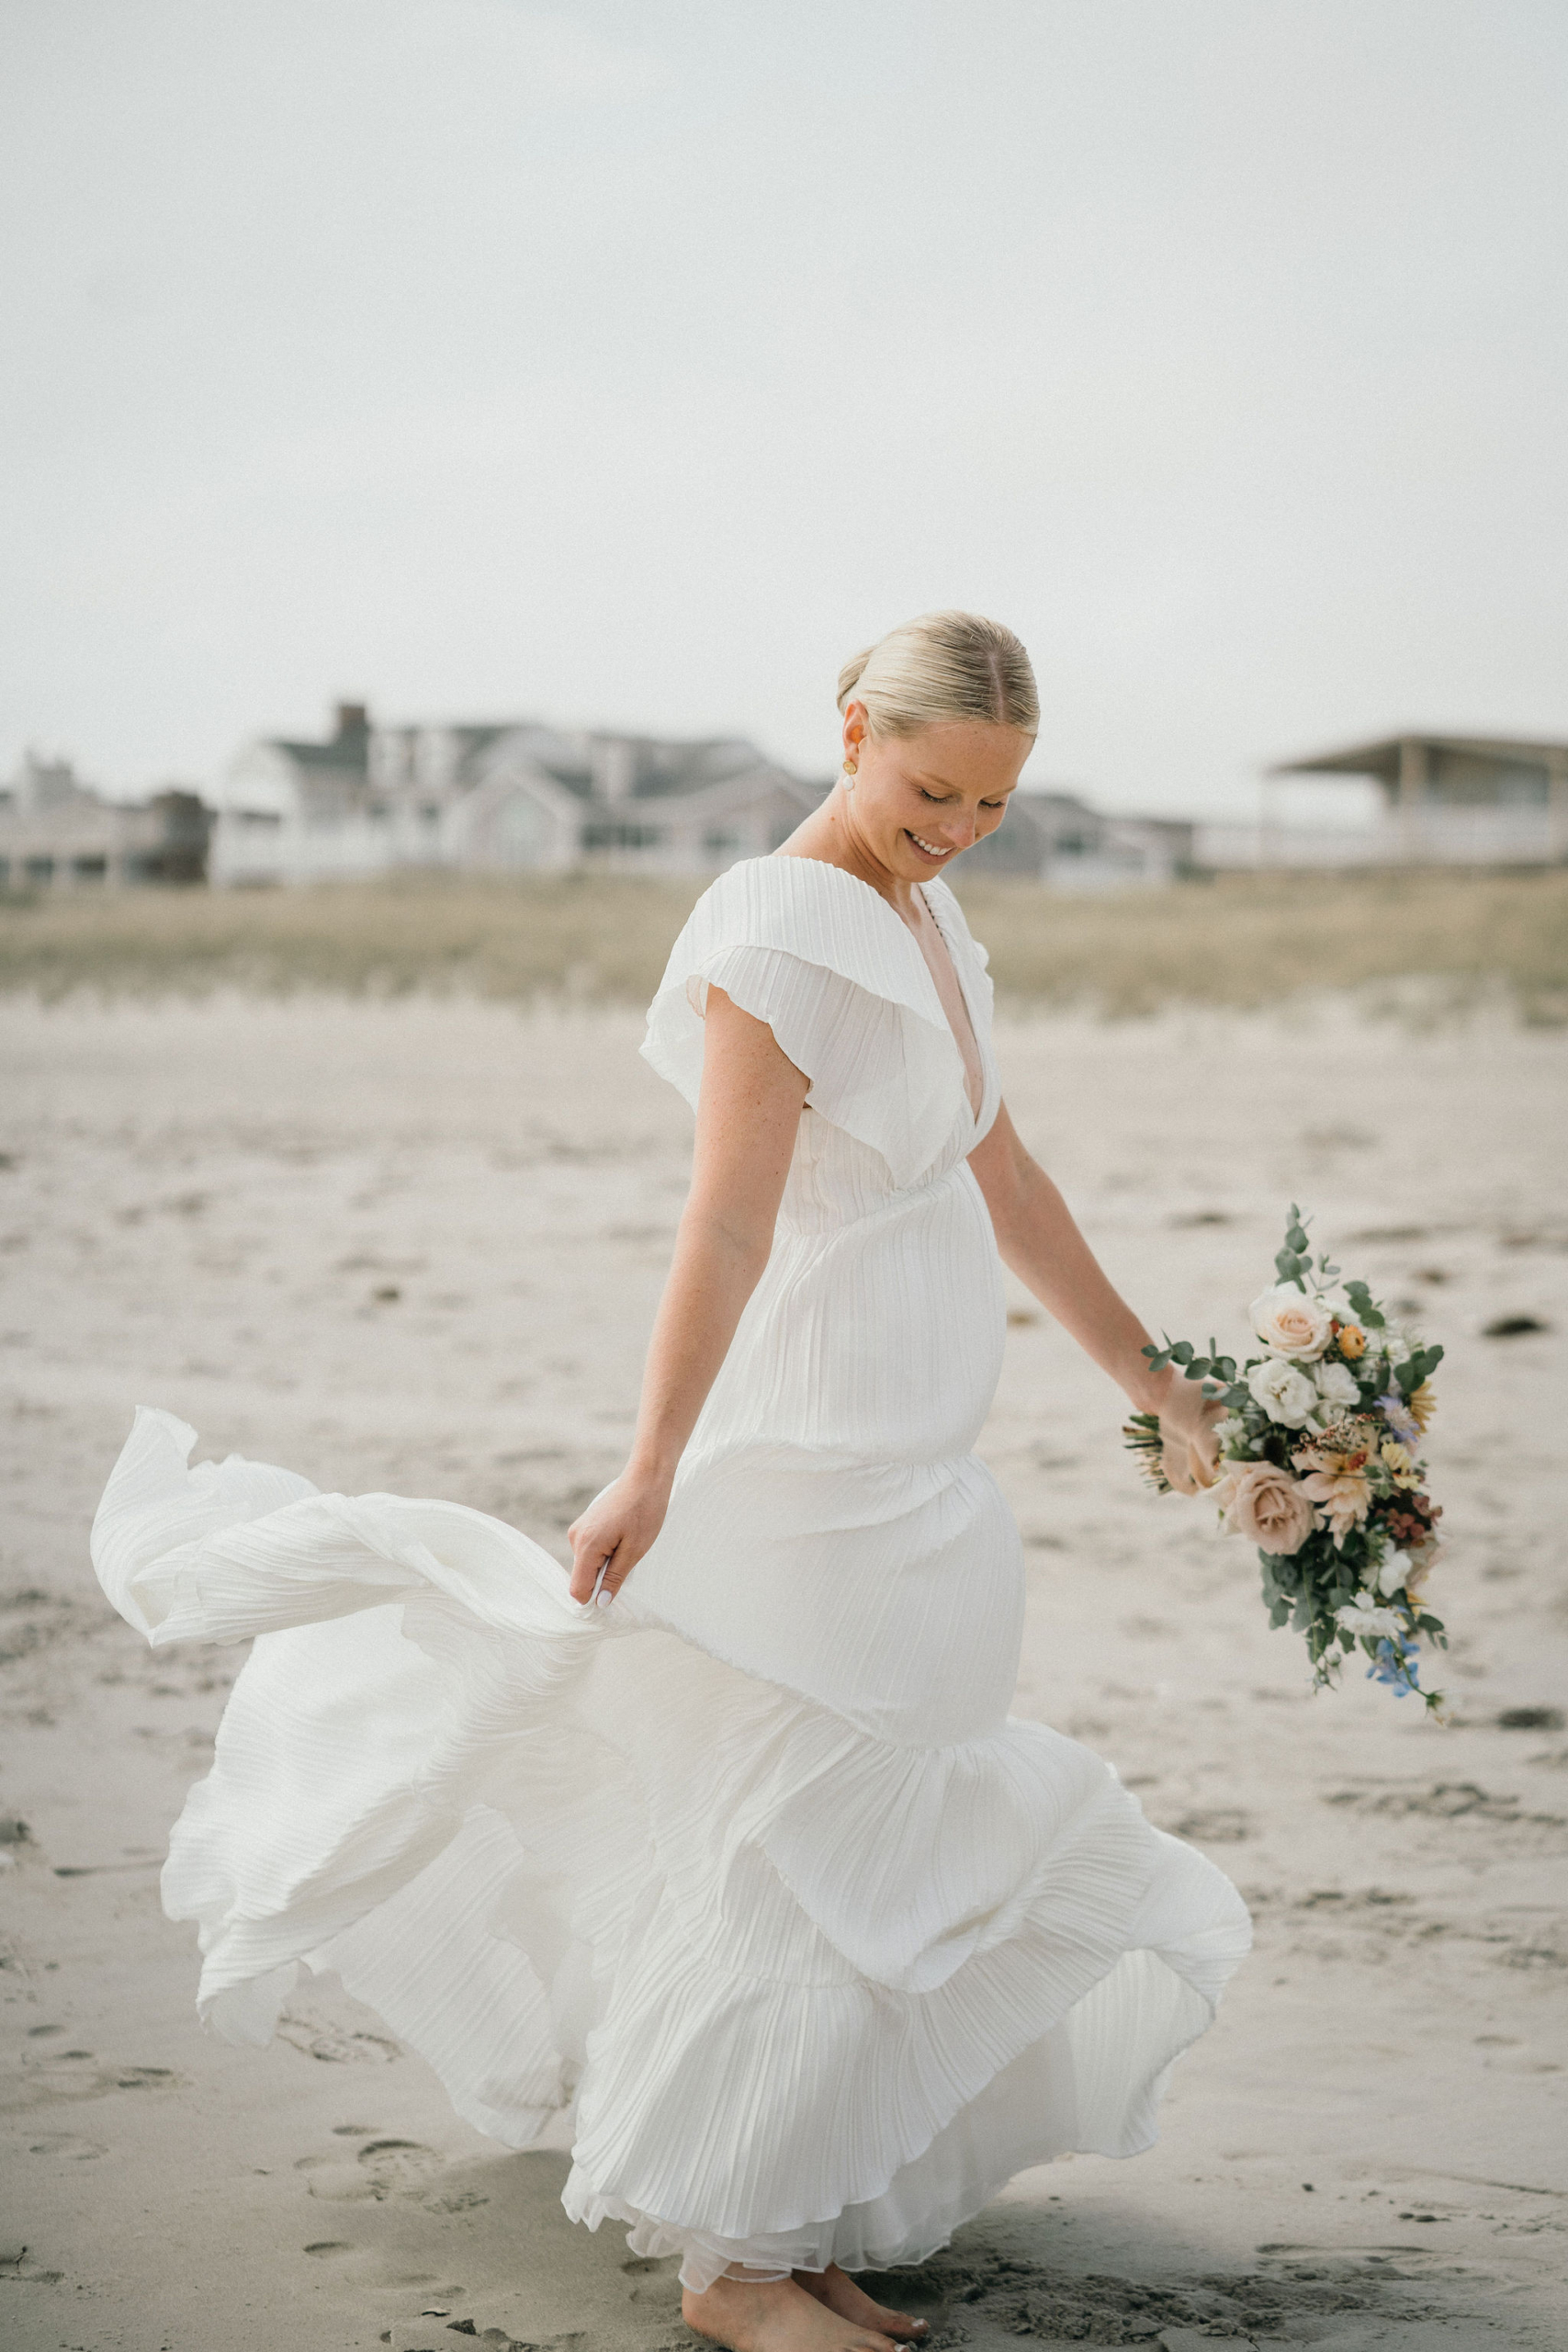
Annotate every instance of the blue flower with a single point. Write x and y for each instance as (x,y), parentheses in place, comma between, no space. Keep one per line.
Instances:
(1394,1664)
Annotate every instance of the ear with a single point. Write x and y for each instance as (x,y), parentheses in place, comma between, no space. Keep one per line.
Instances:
(857,727)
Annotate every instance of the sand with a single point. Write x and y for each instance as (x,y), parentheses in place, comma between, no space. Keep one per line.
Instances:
(416,1247)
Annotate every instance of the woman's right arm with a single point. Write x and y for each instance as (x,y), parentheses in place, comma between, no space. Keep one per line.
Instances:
(748,1113)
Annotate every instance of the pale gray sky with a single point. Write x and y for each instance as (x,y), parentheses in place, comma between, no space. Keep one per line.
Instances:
(632,361)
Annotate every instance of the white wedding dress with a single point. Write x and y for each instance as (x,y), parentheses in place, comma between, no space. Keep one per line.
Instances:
(747,1885)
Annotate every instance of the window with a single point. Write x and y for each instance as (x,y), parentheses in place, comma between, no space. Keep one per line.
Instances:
(41,869)
(260,820)
(620,835)
(720,840)
(89,869)
(1472,780)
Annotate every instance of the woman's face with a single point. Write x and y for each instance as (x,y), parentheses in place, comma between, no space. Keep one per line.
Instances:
(920,800)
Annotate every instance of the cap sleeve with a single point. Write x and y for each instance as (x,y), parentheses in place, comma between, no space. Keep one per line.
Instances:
(843,987)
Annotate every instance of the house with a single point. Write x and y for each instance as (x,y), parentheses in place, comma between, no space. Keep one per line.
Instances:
(1444,799)
(57,832)
(1056,838)
(512,796)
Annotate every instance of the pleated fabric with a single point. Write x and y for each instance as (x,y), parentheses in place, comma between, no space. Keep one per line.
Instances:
(747,1888)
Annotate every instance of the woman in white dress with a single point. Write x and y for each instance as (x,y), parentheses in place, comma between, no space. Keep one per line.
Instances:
(727,1864)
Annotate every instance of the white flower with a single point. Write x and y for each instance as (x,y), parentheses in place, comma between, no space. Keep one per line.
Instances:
(1291,1323)
(1285,1393)
(1391,1575)
(1363,1616)
(1336,1384)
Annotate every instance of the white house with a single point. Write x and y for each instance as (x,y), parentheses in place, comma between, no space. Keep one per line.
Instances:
(58,834)
(511,797)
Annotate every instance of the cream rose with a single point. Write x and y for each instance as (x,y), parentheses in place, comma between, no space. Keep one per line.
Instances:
(1285,1393)
(1290,1322)
(1266,1504)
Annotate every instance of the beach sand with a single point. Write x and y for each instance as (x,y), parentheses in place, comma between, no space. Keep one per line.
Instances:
(416,1247)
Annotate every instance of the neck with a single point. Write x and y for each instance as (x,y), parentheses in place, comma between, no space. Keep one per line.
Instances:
(832,836)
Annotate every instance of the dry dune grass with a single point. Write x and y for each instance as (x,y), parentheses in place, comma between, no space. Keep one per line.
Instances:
(1243,940)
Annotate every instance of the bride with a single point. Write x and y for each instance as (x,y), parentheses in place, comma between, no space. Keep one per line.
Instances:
(726,1863)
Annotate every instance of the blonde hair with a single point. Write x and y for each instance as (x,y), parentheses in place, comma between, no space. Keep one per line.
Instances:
(941,669)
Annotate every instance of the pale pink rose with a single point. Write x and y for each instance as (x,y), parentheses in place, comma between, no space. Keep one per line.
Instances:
(1290,1322)
(1264,1503)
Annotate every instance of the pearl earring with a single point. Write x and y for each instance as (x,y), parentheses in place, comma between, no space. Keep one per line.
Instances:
(847,774)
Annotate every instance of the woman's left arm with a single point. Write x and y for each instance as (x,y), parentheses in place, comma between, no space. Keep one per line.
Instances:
(1040,1241)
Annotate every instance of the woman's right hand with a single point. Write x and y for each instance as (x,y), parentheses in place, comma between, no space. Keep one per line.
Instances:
(618,1526)
(1188,1419)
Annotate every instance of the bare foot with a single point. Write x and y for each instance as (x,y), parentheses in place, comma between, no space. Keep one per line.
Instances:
(777,2318)
(838,2290)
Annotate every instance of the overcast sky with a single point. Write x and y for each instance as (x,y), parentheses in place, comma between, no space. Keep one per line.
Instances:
(631,362)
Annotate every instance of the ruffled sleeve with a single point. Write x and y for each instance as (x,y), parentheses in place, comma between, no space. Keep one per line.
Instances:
(845,989)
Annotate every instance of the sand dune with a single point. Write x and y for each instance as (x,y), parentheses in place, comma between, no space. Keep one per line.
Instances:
(416,1246)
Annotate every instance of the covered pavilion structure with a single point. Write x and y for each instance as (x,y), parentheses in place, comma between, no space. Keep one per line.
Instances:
(1452,799)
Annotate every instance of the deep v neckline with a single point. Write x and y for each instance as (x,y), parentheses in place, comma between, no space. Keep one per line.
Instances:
(977,1102)
(975,1108)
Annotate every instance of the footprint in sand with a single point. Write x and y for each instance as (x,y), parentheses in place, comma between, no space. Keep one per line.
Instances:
(67,2147)
(400,2164)
(15,2262)
(78,2074)
(336,2045)
(384,2168)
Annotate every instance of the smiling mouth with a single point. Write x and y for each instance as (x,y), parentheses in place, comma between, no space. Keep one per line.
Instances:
(929,849)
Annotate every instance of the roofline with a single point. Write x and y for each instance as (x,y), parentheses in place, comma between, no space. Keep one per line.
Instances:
(1368,758)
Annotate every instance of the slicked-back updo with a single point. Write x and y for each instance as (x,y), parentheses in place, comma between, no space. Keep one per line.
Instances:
(941,669)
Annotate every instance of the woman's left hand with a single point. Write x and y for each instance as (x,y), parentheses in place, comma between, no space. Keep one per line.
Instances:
(615,1531)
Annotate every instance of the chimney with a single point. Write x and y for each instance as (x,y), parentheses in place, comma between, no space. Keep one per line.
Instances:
(353,723)
(614,760)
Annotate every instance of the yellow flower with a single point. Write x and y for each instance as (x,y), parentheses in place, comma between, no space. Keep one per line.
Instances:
(1399,1463)
(1423,1405)
(1352,1342)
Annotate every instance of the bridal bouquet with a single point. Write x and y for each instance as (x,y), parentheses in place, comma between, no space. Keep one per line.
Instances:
(1320,1466)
